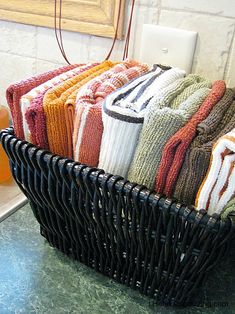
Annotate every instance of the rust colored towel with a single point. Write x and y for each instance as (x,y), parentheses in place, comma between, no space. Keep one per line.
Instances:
(53,105)
(88,128)
(15,91)
(35,116)
(175,149)
(220,121)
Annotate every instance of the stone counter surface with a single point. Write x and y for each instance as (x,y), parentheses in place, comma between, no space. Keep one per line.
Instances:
(35,278)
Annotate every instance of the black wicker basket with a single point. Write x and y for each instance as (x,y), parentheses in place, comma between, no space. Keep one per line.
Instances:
(121,229)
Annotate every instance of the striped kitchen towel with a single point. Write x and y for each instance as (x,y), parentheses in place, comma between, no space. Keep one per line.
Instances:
(218,187)
(88,123)
(30,105)
(53,105)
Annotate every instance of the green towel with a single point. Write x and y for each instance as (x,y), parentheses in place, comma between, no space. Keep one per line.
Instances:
(165,115)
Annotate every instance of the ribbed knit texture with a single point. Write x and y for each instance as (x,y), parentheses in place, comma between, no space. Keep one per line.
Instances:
(175,149)
(123,122)
(218,187)
(143,91)
(53,105)
(35,115)
(15,91)
(162,121)
(220,121)
(34,120)
(88,128)
(228,209)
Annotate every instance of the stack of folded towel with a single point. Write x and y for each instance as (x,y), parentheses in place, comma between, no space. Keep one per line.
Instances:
(53,105)
(15,91)
(154,126)
(175,149)
(166,114)
(34,120)
(88,126)
(220,121)
(123,117)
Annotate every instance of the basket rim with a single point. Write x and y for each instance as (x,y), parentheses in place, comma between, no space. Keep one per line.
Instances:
(187,212)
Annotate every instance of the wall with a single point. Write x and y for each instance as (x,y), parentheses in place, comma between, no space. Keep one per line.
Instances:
(26,50)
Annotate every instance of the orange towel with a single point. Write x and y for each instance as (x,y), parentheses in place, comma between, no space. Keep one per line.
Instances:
(59,138)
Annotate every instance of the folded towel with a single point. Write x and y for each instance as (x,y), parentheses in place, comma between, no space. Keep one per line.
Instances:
(218,187)
(53,105)
(162,122)
(35,116)
(141,90)
(36,121)
(175,149)
(27,99)
(16,91)
(220,121)
(88,126)
(223,191)
(123,120)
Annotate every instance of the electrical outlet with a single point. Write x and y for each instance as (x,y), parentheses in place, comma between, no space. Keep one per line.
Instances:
(168,46)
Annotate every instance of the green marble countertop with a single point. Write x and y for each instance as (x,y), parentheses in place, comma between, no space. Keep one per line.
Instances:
(35,278)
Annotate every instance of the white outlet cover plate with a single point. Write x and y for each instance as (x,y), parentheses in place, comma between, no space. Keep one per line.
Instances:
(168,46)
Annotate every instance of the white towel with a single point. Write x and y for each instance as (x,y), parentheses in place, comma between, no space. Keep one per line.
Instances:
(218,187)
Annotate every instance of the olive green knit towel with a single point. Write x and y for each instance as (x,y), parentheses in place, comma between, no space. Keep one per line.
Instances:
(229,208)
(220,121)
(166,114)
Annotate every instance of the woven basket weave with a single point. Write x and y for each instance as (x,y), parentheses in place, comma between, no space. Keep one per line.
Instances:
(133,235)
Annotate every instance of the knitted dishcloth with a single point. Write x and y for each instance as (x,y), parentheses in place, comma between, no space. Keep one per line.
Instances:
(123,123)
(228,209)
(224,187)
(53,105)
(28,99)
(35,115)
(88,123)
(220,121)
(15,91)
(86,97)
(218,187)
(143,90)
(175,149)
(162,121)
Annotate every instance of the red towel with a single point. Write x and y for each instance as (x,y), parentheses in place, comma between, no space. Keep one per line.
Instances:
(16,91)
(175,149)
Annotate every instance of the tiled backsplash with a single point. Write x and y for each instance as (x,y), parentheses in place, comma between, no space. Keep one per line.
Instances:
(26,50)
